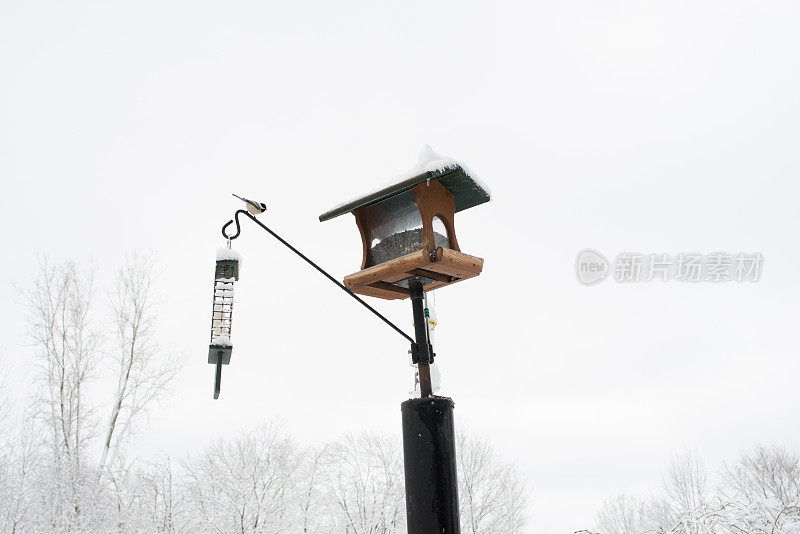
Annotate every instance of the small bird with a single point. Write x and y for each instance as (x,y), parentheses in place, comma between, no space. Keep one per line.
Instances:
(253,207)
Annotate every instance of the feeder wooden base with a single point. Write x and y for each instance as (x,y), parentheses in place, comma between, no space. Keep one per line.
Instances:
(444,267)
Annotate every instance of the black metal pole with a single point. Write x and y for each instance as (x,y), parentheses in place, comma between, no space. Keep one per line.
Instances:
(423,346)
(429,455)
(429,445)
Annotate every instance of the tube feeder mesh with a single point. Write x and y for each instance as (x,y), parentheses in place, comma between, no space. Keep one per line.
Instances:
(225,274)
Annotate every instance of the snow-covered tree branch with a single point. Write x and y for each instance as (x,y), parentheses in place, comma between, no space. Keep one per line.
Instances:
(246,485)
(141,377)
(67,347)
(363,484)
(492,496)
(758,494)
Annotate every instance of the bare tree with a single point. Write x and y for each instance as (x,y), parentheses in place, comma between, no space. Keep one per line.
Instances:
(622,515)
(141,378)
(5,404)
(685,483)
(759,495)
(764,473)
(245,485)
(762,488)
(363,484)
(67,346)
(142,497)
(19,477)
(161,496)
(492,496)
(311,504)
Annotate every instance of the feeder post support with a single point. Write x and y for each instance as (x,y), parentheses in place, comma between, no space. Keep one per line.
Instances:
(421,351)
(429,459)
(429,451)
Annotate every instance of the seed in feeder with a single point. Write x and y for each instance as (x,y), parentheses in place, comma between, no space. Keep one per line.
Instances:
(402,243)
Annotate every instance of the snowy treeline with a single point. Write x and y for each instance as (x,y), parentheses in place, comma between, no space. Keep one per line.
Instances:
(261,482)
(757,494)
(64,468)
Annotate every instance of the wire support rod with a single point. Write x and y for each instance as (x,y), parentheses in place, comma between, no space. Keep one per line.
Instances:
(314,265)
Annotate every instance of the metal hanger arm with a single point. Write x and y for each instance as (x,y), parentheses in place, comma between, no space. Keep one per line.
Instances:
(314,265)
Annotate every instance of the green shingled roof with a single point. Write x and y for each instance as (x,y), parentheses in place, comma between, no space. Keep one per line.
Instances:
(467,191)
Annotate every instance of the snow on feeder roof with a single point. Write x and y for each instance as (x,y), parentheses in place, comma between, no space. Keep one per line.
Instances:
(408,229)
(465,186)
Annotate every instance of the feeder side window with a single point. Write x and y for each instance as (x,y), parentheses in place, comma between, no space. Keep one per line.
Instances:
(395,227)
(440,236)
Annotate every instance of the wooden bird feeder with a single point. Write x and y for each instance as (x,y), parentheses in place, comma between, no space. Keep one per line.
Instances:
(408,230)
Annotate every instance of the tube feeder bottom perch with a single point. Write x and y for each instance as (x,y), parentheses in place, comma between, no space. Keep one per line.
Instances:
(219,352)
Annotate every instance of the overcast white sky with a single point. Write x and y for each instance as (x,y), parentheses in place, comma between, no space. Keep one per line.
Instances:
(621,126)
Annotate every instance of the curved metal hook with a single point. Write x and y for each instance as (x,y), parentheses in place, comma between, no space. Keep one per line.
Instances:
(238,228)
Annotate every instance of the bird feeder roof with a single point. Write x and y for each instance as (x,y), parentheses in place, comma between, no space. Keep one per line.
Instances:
(468,192)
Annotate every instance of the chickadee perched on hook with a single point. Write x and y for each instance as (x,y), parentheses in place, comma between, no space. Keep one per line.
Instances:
(253,207)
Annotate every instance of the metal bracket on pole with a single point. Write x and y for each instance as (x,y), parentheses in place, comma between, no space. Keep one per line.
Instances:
(421,350)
